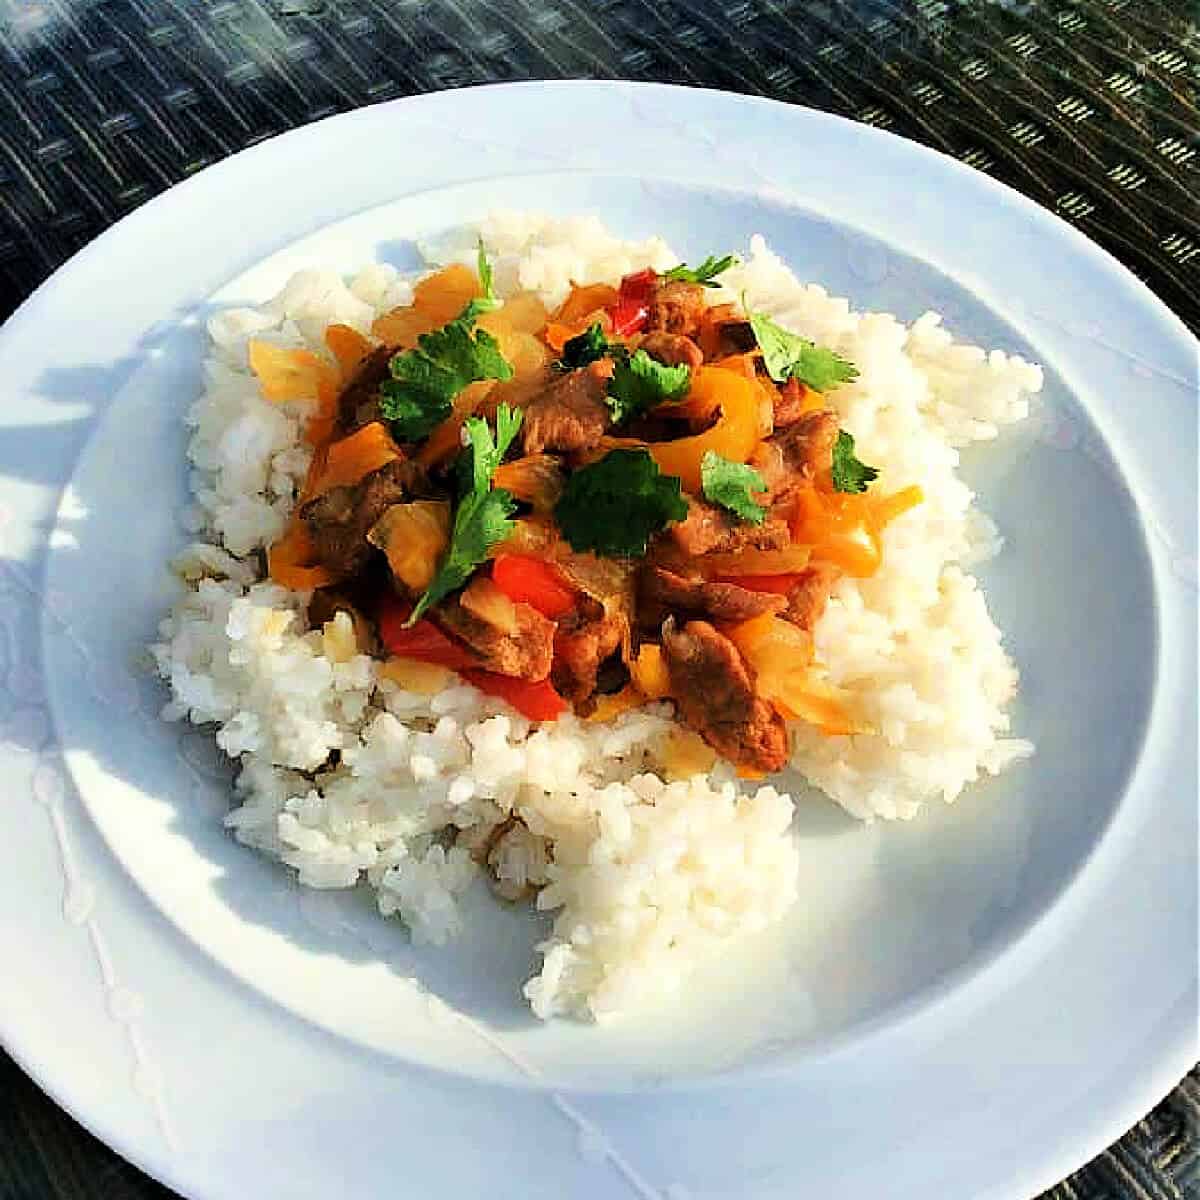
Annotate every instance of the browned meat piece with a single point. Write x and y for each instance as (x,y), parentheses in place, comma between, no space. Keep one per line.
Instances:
(713,690)
(582,643)
(358,405)
(676,307)
(807,445)
(673,349)
(663,593)
(324,605)
(570,415)
(769,462)
(798,453)
(710,529)
(525,654)
(734,337)
(807,600)
(790,406)
(338,519)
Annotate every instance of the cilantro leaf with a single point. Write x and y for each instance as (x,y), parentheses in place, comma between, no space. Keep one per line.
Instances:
(413,413)
(484,514)
(425,380)
(849,475)
(484,270)
(587,347)
(482,520)
(489,452)
(788,355)
(705,273)
(614,505)
(730,485)
(488,301)
(640,383)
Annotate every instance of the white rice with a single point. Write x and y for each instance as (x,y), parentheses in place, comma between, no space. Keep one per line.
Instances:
(648,874)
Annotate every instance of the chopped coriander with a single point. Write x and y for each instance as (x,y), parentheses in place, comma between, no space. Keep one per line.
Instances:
(588,347)
(613,506)
(484,514)
(641,382)
(484,270)
(488,301)
(462,473)
(489,453)
(849,475)
(705,273)
(424,382)
(731,484)
(790,356)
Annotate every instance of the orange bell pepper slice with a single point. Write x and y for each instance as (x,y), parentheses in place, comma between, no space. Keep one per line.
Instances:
(351,459)
(349,347)
(887,508)
(291,561)
(297,374)
(584,302)
(556,334)
(323,422)
(648,671)
(446,439)
(608,708)
(844,528)
(288,374)
(438,298)
(734,436)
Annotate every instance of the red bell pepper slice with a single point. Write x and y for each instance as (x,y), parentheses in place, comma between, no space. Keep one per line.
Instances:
(538,701)
(424,642)
(781,585)
(531,581)
(632,309)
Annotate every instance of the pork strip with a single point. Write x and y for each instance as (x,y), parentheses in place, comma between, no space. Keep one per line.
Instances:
(673,349)
(570,415)
(582,644)
(797,454)
(709,529)
(713,689)
(790,404)
(526,654)
(807,600)
(676,306)
(663,593)
(338,520)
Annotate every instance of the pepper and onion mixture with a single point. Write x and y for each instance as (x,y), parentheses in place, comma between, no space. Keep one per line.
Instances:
(636,497)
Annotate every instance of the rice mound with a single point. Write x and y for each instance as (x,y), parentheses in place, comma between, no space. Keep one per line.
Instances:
(648,873)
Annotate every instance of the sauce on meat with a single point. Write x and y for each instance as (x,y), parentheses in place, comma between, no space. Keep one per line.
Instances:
(718,584)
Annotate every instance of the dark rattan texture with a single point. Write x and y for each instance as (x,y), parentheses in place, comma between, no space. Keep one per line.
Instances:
(1091,107)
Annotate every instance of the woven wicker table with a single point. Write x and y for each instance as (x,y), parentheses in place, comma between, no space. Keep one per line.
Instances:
(1091,107)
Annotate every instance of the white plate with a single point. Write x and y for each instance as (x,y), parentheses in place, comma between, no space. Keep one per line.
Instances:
(970,1005)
